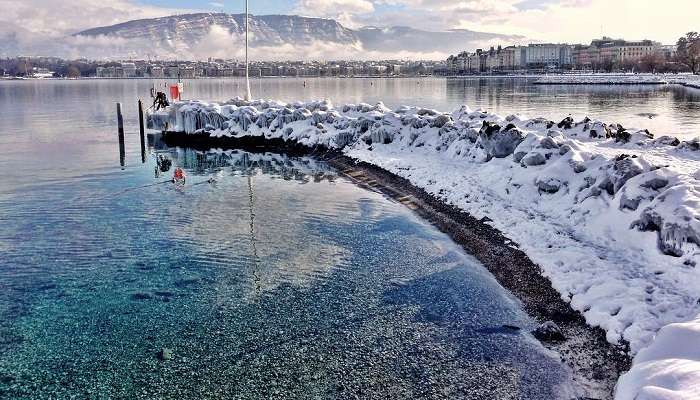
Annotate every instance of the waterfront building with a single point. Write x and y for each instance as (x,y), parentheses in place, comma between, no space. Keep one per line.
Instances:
(608,53)
(128,70)
(548,55)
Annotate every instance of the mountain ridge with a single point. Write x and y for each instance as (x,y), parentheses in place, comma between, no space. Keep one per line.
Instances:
(193,31)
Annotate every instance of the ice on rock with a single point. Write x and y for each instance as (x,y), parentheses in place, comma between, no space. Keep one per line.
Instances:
(675,215)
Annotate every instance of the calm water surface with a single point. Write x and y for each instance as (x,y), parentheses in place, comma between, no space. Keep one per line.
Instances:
(281,279)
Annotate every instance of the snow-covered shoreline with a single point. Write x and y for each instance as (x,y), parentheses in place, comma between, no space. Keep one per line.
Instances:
(611,214)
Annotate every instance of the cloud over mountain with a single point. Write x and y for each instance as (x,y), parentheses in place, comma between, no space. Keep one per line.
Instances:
(202,35)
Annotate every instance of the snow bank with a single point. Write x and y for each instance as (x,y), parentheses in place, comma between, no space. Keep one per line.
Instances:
(668,369)
(611,214)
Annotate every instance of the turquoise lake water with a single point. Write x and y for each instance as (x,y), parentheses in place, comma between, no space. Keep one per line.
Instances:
(281,279)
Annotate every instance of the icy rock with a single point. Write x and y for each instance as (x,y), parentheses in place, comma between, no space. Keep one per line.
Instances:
(566,123)
(440,121)
(578,166)
(426,111)
(549,332)
(419,123)
(533,158)
(643,187)
(623,169)
(693,145)
(498,143)
(548,143)
(539,123)
(548,184)
(667,141)
(381,136)
(675,215)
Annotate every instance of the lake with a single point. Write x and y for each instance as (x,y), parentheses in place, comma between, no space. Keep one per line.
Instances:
(277,279)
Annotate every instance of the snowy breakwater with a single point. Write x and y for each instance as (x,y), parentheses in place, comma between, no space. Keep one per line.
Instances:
(479,137)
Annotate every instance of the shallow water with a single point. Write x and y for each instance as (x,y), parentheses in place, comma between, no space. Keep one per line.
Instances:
(279,280)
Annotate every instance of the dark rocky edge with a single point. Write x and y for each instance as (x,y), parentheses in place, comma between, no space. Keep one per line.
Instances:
(596,364)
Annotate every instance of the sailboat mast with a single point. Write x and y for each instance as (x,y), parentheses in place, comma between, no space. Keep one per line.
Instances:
(248,97)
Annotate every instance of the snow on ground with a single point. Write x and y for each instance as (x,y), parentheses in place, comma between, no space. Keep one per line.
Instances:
(611,214)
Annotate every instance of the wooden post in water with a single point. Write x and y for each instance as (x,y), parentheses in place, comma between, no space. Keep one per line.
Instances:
(120,127)
(142,132)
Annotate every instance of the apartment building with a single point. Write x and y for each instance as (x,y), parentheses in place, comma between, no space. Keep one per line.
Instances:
(613,51)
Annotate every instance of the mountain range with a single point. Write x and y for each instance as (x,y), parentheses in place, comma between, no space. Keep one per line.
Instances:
(280,37)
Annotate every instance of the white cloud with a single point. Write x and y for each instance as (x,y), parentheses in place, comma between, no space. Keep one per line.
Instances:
(53,18)
(343,11)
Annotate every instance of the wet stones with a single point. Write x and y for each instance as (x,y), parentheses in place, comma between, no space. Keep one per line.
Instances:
(549,332)
(165,354)
(141,296)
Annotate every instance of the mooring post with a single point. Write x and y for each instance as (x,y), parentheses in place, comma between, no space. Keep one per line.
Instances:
(120,127)
(142,132)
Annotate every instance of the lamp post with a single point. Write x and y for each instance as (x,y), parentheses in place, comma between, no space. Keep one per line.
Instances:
(248,97)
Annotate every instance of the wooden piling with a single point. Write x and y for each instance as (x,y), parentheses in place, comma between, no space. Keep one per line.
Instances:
(120,128)
(142,132)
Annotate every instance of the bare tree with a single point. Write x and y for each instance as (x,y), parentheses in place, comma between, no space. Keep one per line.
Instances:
(688,51)
(73,72)
(652,62)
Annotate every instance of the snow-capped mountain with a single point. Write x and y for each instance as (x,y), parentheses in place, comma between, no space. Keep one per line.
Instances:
(278,36)
(266,30)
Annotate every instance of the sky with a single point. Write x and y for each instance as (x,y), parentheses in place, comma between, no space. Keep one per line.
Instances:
(46,23)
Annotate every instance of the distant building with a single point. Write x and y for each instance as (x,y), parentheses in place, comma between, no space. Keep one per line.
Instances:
(613,52)
(128,70)
(669,51)
(156,71)
(548,55)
